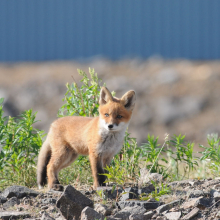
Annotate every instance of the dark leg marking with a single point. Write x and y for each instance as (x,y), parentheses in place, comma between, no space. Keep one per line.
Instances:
(101,178)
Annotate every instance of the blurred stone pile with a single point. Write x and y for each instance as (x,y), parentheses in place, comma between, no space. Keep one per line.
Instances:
(172,96)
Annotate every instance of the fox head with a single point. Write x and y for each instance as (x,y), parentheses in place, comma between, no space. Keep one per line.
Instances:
(115,113)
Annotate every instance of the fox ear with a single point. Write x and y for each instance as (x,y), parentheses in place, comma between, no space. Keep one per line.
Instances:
(129,100)
(105,96)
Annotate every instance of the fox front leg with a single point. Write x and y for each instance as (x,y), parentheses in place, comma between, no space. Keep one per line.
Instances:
(97,171)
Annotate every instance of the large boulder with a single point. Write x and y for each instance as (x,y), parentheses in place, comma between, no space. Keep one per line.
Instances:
(72,202)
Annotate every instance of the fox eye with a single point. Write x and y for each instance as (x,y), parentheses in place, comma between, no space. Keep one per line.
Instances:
(106,114)
(119,116)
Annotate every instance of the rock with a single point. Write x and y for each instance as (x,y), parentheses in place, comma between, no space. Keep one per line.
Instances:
(155,215)
(2,199)
(191,214)
(145,177)
(218,215)
(196,193)
(72,202)
(149,214)
(161,218)
(90,214)
(189,204)
(191,183)
(137,217)
(144,204)
(148,189)
(216,195)
(52,191)
(167,206)
(127,211)
(123,215)
(19,192)
(179,193)
(211,183)
(11,202)
(114,211)
(46,216)
(202,203)
(102,209)
(14,215)
(49,201)
(134,210)
(44,207)
(130,193)
(173,215)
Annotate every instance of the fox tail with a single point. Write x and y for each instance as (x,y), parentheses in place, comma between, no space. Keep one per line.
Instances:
(43,160)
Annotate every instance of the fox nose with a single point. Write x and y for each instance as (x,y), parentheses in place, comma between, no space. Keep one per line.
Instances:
(110,126)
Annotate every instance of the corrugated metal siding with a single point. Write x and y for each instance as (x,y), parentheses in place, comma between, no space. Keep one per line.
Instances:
(39,30)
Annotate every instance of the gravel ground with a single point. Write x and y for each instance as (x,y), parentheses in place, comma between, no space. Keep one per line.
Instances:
(188,199)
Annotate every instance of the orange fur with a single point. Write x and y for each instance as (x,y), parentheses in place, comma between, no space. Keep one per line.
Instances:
(99,137)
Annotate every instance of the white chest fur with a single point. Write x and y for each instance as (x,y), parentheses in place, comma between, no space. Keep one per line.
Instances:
(112,141)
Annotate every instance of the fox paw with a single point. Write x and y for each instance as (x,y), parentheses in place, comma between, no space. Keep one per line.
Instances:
(58,187)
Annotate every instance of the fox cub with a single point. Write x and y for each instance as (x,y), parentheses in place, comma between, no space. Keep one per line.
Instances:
(99,137)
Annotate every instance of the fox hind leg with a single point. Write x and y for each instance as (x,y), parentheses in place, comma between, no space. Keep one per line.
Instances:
(58,161)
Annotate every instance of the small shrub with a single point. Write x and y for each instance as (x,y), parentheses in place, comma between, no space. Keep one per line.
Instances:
(129,159)
(20,144)
(152,154)
(160,190)
(181,153)
(211,154)
(82,100)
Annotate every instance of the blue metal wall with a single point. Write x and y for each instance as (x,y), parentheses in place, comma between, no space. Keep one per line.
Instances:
(40,30)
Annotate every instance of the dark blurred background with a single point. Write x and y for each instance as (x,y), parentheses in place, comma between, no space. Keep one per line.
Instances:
(168,51)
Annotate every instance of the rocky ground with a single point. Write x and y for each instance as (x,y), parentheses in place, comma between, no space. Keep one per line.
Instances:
(188,199)
(172,96)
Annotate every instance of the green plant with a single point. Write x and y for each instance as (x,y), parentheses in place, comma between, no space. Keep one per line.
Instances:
(115,174)
(151,152)
(129,158)
(160,189)
(20,144)
(103,196)
(82,100)
(181,152)
(211,154)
